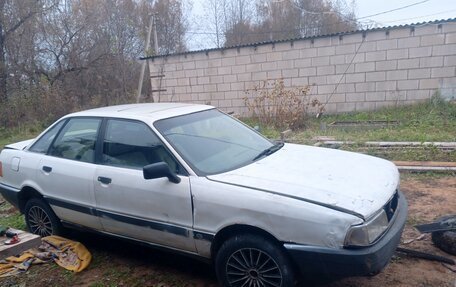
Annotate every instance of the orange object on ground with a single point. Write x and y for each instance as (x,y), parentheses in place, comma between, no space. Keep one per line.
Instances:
(69,254)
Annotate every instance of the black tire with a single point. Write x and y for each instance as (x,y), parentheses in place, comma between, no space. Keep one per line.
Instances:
(254,261)
(40,218)
(445,240)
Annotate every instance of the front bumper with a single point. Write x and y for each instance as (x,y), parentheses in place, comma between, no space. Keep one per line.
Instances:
(352,262)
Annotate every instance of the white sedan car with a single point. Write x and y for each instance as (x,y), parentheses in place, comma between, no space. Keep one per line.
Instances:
(194,180)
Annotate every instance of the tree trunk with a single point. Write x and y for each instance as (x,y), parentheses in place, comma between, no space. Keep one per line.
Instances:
(3,72)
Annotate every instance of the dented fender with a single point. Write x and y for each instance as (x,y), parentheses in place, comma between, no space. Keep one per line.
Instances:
(287,219)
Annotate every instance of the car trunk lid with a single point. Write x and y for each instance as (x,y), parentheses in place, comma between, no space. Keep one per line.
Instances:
(19,145)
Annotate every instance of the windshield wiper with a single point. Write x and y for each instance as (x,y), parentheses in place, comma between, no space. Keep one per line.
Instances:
(269,151)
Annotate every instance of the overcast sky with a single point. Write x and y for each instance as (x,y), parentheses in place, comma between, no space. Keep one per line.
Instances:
(427,11)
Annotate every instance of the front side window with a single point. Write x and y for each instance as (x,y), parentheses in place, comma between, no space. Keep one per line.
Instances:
(132,144)
(77,140)
(212,142)
(43,143)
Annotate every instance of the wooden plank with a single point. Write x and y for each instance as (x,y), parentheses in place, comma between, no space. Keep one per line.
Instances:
(425,163)
(393,144)
(426,168)
(362,124)
(323,138)
(28,240)
(436,144)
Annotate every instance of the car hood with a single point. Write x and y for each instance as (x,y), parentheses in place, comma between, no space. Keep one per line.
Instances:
(341,180)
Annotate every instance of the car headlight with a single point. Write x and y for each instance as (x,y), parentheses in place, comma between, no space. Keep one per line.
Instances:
(366,233)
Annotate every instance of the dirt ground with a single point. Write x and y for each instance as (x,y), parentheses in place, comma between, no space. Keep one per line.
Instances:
(119,263)
(428,198)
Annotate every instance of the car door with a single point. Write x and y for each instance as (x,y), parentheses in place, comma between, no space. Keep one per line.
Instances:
(65,173)
(154,210)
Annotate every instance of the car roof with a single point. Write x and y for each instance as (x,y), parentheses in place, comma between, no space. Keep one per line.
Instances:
(148,112)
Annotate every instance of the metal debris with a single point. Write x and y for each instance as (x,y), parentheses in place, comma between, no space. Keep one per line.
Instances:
(408,241)
(440,225)
(424,255)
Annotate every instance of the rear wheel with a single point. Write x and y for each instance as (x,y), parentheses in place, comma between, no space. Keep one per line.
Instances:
(251,260)
(40,218)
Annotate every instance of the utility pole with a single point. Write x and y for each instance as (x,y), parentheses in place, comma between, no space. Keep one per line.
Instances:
(155,36)
(160,76)
(144,63)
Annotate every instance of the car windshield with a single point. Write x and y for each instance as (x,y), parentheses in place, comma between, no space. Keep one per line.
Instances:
(212,142)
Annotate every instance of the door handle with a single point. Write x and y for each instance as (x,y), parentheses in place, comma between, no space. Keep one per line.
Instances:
(105,180)
(47,168)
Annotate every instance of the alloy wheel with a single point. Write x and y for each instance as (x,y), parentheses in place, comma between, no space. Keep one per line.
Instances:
(39,221)
(252,267)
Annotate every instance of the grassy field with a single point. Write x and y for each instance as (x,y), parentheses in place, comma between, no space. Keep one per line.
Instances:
(20,133)
(434,120)
(10,217)
(431,121)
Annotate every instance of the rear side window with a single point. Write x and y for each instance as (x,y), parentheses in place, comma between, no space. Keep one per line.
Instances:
(132,144)
(77,140)
(42,145)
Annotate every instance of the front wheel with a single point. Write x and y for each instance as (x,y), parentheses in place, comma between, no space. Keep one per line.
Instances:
(251,260)
(40,218)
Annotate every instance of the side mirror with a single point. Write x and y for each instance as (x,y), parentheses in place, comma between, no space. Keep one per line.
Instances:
(159,170)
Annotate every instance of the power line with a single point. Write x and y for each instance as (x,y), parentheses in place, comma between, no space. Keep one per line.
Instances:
(418,17)
(313,12)
(363,17)
(341,77)
(270,31)
(320,26)
(395,9)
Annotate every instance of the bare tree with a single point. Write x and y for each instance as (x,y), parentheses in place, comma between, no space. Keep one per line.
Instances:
(13,16)
(238,22)
(172,23)
(278,20)
(215,15)
(325,17)
(61,55)
(287,19)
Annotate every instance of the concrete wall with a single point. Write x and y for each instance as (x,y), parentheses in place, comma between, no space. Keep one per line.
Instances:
(383,67)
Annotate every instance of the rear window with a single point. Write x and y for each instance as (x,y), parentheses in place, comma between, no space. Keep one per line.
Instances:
(77,140)
(42,145)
